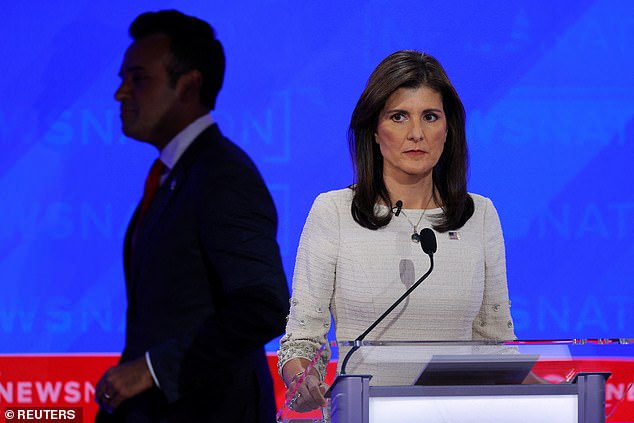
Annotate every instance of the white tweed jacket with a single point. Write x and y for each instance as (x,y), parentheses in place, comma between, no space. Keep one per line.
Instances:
(351,275)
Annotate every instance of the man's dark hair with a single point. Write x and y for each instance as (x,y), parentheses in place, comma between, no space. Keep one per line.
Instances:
(408,69)
(193,45)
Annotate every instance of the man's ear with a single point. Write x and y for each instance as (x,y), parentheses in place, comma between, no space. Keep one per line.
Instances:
(188,86)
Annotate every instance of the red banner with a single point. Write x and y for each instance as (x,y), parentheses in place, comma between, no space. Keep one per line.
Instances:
(63,386)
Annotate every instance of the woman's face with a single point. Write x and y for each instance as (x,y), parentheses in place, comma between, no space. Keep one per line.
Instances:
(411,133)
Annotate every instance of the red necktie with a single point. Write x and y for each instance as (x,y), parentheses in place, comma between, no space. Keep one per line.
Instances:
(152,184)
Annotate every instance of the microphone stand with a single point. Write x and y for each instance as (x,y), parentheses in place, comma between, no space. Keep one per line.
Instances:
(430,250)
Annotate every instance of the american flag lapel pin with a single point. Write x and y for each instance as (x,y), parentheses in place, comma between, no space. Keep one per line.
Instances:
(454,235)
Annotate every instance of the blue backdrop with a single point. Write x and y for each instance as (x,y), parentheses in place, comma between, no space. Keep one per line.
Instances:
(549,92)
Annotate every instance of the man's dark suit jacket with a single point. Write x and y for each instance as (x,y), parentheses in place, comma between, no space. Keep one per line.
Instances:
(206,290)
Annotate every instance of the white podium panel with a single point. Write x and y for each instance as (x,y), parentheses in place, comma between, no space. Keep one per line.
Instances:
(469,409)
(355,401)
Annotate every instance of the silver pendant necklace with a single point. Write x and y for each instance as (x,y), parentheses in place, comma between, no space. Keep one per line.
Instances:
(415,236)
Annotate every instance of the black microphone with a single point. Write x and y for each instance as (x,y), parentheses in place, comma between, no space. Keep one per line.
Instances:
(399,206)
(429,246)
(428,242)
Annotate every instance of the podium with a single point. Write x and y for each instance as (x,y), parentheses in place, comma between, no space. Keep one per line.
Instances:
(353,398)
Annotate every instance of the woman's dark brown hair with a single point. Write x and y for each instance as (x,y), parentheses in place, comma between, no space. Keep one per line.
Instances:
(408,69)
